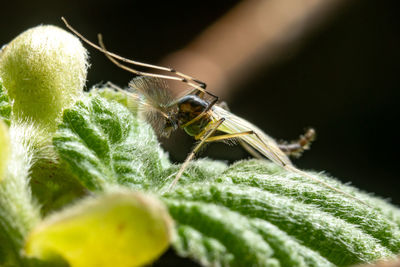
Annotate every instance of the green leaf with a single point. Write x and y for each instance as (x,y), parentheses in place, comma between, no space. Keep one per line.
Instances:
(5,107)
(105,145)
(109,93)
(252,213)
(19,212)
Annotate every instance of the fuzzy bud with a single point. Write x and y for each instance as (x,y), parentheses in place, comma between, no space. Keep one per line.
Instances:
(117,229)
(44,71)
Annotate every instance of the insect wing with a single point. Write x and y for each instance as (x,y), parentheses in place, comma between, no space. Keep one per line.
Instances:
(259,141)
(134,100)
(154,90)
(157,100)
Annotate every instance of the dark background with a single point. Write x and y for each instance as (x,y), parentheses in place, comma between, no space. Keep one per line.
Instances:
(343,80)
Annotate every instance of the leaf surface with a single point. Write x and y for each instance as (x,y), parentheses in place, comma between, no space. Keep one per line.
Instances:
(252,213)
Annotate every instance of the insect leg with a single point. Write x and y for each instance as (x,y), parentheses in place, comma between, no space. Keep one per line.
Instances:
(198,89)
(199,85)
(248,148)
(195,150)
(297,147)
(228,136)
(213,102)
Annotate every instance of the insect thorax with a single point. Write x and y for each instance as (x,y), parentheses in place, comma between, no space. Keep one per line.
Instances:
(190,107)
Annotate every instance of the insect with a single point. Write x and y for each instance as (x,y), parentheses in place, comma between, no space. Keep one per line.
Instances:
(200,114)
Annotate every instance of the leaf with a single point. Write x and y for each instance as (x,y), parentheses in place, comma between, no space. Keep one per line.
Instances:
(5,106)
(110,93)
(105,145)
(117,229)
(252,213)
(19,212)
(321,233)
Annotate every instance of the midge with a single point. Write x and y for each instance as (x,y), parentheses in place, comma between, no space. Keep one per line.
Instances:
(200,114)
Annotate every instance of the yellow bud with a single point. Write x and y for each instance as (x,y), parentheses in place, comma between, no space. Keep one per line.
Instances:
(44,71)
(119,229)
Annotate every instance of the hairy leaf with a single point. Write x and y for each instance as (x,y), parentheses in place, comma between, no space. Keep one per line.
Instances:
(252,213)
(19,212)
(105,145)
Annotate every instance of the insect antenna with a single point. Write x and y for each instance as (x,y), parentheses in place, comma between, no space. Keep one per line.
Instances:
(197,84)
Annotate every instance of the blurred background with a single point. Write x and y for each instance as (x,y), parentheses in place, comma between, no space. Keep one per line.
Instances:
(283,65)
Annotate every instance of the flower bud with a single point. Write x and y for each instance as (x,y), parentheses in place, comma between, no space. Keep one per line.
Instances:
(44,71)
(117,229)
